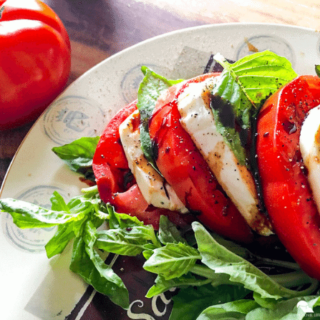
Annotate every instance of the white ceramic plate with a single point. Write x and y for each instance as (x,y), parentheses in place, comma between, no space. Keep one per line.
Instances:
(33,287)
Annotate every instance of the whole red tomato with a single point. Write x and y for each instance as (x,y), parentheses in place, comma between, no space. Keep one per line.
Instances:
(34,60)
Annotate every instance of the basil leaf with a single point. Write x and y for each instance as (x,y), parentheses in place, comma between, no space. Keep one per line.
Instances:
(259,75)
(121,220)
(59,241)
(127,242)
(317,69)
(149,91)
(230,310)
(58,203)
(172,260)
(161,285)
(27,215)
(231,109)
(168,232)
(78,155)
(240,90)
(189,303)
(221,260)
(232,246)
(267,303)
(293,309)
(148,252)
(1,11)
(87,263)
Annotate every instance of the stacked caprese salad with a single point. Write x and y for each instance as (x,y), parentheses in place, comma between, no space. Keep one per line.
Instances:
(236,150)
(189,147)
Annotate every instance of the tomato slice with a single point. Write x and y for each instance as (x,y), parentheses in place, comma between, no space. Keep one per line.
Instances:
(115,183)
(286,190)
(187,172)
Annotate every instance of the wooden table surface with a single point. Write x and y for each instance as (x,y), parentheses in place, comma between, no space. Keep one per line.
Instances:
(100,28)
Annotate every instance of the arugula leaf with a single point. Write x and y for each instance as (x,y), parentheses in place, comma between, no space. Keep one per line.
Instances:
(79,154)
(230,310)
(127,242)
(161,284)
(168,232)
(172,261)
(286,310)
(221,260)
(87,263)
(149,91)
(189,303)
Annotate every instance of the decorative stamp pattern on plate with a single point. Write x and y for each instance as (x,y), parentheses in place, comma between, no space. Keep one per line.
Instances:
(31,240)
(73,117)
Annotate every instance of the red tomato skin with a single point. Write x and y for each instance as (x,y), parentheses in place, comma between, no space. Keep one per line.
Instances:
(286,190)
(109,161)
(187,172)
(36,61)
(110,166)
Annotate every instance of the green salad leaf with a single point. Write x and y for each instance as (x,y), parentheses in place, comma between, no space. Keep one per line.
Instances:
(190,302)
(230,310)
(317,69)
(241,89)
(292,309)
(168,232)
(121,220)
(58,203)
(87,263)
(241,271)
(161,284)
(259,75)
(60,240)
(149,91)
(127,242)
(27,215)
(172,261)
(78,155)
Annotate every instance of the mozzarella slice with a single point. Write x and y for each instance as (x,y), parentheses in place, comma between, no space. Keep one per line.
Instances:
(310,151)
(152,186)
(235,179)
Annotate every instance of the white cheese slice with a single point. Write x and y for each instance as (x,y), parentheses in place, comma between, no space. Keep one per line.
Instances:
(310,151)
(235,179)
(152,186)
